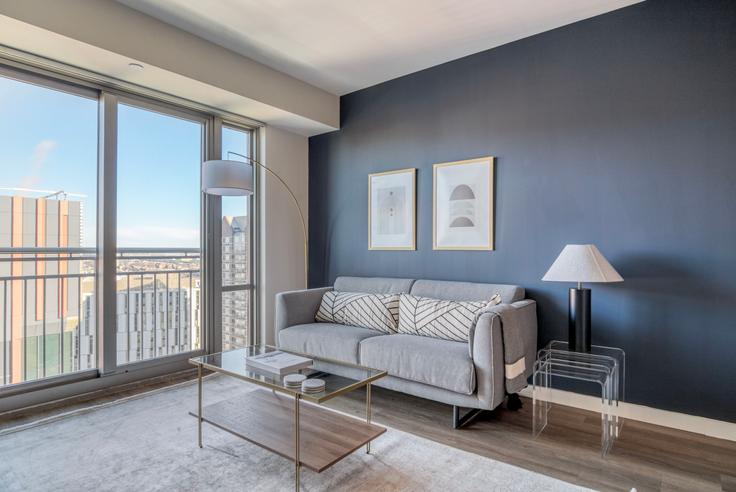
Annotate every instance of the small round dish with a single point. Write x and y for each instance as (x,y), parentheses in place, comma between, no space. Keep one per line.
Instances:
(313,385)
(294,380)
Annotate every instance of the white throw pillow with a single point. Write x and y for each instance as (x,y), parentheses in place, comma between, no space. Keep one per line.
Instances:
(449,320)
(375,311)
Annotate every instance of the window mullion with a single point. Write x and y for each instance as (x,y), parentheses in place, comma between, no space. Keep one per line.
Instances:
(212,251)
(106,276)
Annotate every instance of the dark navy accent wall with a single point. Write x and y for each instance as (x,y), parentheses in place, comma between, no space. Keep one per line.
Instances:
(620,131)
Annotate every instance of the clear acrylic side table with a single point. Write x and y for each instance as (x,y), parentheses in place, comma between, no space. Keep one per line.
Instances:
(604,366)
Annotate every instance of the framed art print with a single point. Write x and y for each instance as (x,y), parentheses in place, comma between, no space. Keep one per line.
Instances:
(392,210)
(463,205)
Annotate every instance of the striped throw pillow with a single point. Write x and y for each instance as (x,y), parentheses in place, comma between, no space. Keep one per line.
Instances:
(375,311)
(449,320)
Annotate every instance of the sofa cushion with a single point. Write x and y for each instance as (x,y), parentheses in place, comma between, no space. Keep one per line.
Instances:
(466,291)
(328,340)
(432,361)
(449,320)
(374,285)
(375,311)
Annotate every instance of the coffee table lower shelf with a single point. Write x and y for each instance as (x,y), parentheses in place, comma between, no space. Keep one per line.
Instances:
(266,419)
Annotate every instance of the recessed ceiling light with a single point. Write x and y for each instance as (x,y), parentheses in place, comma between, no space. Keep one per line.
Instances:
(135,66)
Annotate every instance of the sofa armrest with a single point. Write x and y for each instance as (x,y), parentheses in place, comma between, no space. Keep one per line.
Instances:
(486,350)
(297,307)
(486,345)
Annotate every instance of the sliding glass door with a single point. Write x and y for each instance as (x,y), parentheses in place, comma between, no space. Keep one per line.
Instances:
(159,154)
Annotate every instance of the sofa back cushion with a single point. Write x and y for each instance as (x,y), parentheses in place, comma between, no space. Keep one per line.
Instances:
(375,311)
(373,285)
(466,291)
(448,320)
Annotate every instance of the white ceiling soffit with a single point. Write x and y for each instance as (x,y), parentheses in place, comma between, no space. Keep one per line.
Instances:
(66,51)
(104,37)
(345,45)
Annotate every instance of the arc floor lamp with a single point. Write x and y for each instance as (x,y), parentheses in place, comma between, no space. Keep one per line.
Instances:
(224,177)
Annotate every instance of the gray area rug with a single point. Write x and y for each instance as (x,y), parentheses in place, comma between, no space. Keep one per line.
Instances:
(149,443)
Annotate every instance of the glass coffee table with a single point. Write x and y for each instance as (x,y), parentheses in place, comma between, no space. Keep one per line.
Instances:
(275,417)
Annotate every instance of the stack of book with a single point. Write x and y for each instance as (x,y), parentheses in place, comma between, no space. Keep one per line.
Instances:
(277,362)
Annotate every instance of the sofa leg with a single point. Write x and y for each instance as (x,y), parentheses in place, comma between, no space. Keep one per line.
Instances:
(460,421)
(513,402)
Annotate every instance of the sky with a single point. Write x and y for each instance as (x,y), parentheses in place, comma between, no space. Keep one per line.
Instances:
(48,141)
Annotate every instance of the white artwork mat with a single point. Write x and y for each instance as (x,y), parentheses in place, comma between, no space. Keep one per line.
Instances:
(463,200)
(392,210)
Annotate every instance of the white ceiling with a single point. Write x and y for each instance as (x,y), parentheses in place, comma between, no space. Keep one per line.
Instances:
(345,45)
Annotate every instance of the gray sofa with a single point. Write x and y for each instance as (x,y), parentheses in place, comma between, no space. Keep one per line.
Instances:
(461,374)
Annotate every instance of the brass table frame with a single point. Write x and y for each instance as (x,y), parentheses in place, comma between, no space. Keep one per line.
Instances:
(297,395)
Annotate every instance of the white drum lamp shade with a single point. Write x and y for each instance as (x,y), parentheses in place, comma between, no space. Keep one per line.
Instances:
(227,178)
(581,263)
(224,177)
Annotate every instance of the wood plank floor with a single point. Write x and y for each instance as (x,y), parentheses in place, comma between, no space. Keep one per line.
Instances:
(646,456)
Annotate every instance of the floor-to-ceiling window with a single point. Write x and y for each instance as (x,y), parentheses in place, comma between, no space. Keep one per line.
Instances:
(58,306)
(237,250)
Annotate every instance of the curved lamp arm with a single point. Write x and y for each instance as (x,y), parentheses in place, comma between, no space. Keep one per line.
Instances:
(296,204)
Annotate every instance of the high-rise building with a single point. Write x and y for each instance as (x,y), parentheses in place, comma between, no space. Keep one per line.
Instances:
(235,271)
(41,314)
(152,320)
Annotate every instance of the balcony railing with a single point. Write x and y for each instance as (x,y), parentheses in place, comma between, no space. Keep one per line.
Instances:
(48,306)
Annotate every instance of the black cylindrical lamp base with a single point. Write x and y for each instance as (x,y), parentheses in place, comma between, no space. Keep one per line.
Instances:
(579,320)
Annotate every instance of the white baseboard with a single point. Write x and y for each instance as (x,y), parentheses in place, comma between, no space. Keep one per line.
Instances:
(682,421)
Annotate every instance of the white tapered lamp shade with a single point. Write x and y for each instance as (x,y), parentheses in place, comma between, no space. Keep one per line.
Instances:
(227,178)
(581,263)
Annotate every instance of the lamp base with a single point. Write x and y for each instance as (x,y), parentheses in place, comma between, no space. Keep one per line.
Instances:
(579,320)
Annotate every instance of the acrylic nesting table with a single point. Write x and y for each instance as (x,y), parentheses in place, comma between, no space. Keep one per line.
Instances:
(604,366)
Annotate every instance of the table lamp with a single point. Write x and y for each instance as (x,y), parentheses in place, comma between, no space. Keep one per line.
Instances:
(580,263)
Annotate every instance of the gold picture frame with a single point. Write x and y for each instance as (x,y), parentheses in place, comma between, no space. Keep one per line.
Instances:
(401,232)
(484,242)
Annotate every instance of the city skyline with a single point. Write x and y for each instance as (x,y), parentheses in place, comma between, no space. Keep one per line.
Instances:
(49,324)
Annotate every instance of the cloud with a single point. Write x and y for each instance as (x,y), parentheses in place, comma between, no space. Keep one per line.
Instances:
(158,237)
(38,159)
(42,149)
